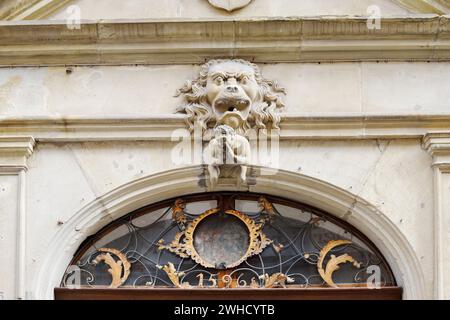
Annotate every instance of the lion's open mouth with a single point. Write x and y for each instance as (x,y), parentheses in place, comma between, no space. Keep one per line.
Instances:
(223,105)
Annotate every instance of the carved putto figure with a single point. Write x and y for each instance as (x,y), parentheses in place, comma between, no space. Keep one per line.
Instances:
(228,154)
(226,101)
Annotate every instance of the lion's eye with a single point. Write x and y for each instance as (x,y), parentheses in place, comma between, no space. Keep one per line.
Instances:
(219,81)
(243,80)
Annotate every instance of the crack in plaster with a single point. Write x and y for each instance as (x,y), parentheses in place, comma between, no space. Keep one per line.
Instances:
(94,190)
(382,147)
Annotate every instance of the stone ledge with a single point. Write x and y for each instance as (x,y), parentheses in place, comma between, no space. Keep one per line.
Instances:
(296,39)
(162,128)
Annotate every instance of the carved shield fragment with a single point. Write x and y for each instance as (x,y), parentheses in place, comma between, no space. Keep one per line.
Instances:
(229,5)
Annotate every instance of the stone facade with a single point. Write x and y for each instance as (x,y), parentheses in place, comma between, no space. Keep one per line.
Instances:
(88,122)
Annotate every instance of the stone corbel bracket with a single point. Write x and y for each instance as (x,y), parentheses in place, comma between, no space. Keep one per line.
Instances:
(14,152)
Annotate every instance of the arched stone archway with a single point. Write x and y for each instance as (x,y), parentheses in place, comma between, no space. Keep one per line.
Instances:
(136,194)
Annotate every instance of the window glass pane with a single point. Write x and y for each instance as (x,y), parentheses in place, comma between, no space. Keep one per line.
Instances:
(198,207)
(247,206)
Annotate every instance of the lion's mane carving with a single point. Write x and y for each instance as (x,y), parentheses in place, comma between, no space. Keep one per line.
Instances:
(242,92)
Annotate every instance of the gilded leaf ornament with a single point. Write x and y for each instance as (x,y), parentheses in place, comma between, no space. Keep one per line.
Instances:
(334,262)
(277,280)
(174,275)
(119,270)
(178,214)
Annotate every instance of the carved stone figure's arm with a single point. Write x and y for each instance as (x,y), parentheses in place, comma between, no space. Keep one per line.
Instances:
(244,151)
(214,153)
(230,150)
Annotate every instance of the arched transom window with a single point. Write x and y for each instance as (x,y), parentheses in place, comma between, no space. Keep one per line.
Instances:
(228,240)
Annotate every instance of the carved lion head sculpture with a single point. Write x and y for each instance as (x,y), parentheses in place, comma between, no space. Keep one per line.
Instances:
(233,93)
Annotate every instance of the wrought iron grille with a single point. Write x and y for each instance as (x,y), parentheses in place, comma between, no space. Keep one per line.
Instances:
(228,240)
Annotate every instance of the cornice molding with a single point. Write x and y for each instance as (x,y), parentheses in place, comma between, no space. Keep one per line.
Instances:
(14,152)
(12,8)
(426,6)
(314,39)
(30,9)
(162,128)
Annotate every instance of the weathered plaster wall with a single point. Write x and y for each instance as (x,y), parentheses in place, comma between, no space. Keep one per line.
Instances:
(142,9)
(376,88)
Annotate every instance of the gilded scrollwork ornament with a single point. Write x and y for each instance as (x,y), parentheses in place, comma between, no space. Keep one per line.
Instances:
(119,269)
(183,243)
(334,262)
(178,214)
(174,276)
(184,246)
(278,247)
(268,211)
(277,280)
